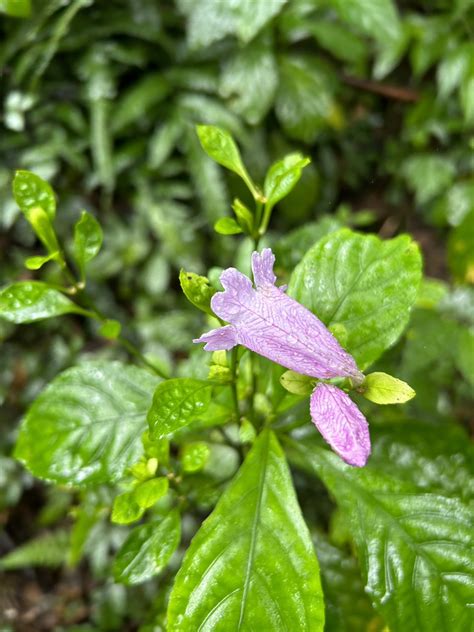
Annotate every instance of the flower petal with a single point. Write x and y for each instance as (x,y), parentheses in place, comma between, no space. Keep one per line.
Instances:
(262,267)
(341,423)
(219,339)
(238,292)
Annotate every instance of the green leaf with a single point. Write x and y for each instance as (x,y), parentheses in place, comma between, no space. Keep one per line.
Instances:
(16,8)
(31,191)
(465,354)
(43,228)
(296,383)
(252,565)
(428,175)
(220,146)
(209,21)
(227,226)
(414,547)
(363,283)
(35,263)
(126,509)
(378,18)
(243,215)
(348,608)
(176,403)
(197,290)
(249,80)
(29,301)
(85,427)
(88,239)
(48,549)
(467,95)
(457,202)
(382,388)
(147,493)
(339,41)
(110,329)
(305,103)
(137,102)
(280,180)
(461,250)
(147,550)
(194,456)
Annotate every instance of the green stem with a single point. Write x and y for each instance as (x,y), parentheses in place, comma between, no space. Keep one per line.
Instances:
(233,384)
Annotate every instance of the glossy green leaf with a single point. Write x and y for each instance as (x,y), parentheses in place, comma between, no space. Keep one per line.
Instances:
(252,565)
(126,509)
(147,550)
(43,228)
(16,8)
(243,215)
(88,237)
(29,301)
(197,290)
(220,146)
(210,21)
(148,492)
(461,250)
(176,403)
(305,103)
(378,18)
(35,263)
(254,66)
(31,191)
(85,427)
(296,383)
(414,547)
(348,608)
(194,456)
(367,285)
(227,226)
(282,177)
(382,388)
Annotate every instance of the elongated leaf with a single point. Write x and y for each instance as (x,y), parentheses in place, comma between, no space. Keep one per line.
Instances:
(31,191)
(28,301)
(282,177)
(147,550)
(367,285)
(85,427)
(88,238)
(414,547)
(252,565)
(376,18)
(209,21)
(176,403)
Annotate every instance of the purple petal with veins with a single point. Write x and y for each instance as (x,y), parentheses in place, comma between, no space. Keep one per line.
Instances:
(341,423)
(272,324)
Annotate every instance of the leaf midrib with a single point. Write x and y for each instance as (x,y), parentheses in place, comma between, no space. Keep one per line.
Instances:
(254,534)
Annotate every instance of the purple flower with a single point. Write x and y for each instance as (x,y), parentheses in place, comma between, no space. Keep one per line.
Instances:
(270,323)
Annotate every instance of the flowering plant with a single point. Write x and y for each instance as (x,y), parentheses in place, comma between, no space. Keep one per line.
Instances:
(161,445)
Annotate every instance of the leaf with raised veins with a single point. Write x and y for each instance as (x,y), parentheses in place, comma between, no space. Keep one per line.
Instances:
(363,283)
(414,547)
(252,565)
(85,428)
(29,301)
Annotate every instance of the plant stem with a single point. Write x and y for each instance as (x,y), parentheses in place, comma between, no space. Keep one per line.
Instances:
(233,384)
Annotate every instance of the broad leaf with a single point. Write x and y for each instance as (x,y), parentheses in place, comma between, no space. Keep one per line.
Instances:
(88,238)
(176,403)
(227,226)
(305,103)
(210,21)
(40,222)
(367,285)
(85,427)
(254,66)
(28,301)
(252,565)
(16,8)
(147,550)
(148,492)
(414,546)
(31,191)
(383,388)
(197,290)
(376,18)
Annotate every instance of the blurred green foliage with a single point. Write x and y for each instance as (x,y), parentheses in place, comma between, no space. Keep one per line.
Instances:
(102,98)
